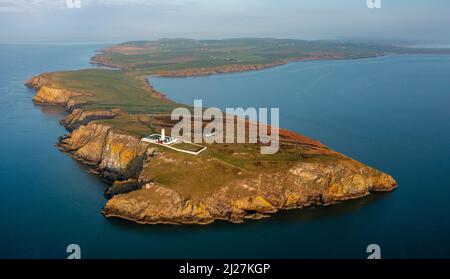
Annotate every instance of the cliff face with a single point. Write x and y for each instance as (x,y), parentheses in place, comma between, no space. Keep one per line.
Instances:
(155,204)
(53,96)
(48,94)
(37,82)
(117,155)
(80,117)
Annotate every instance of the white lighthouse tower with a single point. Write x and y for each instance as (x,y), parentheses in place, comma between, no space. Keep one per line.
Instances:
(163,135)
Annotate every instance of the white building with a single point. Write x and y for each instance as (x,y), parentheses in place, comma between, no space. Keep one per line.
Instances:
(161,138)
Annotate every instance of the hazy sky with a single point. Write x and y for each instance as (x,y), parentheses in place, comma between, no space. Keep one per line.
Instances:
(424,21)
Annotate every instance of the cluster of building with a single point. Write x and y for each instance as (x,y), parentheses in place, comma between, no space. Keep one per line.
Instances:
(161,138)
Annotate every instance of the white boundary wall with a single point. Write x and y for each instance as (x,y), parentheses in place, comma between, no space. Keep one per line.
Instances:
(168,145)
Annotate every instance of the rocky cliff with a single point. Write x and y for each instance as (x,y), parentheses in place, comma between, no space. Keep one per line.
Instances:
(117,155)
(49,94)
(79,117)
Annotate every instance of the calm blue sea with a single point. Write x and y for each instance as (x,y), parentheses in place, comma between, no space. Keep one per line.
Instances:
(391,112)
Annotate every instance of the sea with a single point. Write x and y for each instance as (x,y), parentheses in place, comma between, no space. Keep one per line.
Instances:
(391,112)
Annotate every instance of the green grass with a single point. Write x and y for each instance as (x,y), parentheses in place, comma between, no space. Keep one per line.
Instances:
(194,177)
(187,146)
(178,54)
(112,89)
(135,125)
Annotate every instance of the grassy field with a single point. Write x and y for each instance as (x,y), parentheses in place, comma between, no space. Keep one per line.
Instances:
(197,177)
(188,146)
(109,89)
(136,125)
(179,54)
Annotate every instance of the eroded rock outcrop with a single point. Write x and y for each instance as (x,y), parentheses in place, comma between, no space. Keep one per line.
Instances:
(119,155)
(79,117)
(155,204)
(37,82)
(49,94)
(86,143)
(54,96)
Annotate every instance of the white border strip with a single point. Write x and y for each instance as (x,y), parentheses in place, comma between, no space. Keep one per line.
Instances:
(177,149)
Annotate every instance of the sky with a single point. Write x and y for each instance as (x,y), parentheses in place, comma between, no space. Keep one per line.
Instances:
(412,21)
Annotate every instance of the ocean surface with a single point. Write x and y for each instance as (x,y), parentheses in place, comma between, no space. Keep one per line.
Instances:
(391,113)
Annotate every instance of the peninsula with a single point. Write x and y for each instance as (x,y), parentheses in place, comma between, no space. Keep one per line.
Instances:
(111,110)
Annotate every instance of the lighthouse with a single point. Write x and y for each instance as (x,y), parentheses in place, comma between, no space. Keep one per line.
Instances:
(163,135)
